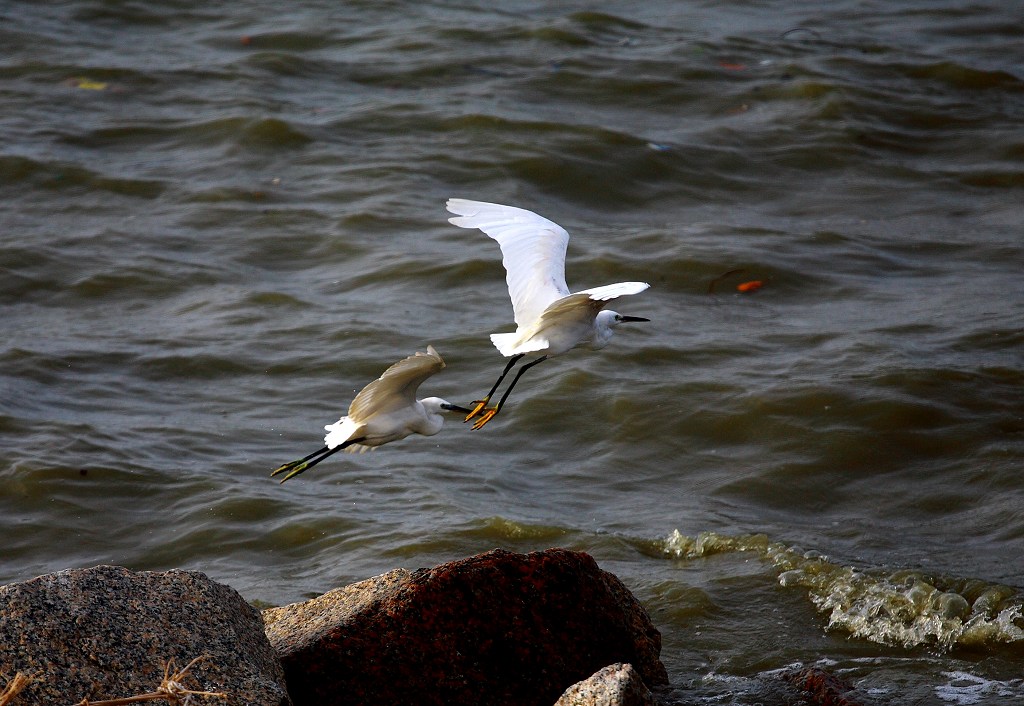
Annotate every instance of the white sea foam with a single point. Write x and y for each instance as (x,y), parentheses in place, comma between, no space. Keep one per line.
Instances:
(904,608)
(967,689)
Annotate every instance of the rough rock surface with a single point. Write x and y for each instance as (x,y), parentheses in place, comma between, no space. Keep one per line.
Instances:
(821,688)
(106,632)
(497,628)
(616,685)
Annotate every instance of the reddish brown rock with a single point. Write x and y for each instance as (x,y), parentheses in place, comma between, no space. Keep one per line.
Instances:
(107,632)
(616,685)
(498,628)
(820,688)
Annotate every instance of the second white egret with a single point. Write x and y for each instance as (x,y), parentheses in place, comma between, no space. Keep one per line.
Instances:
(385,410)
(549,319)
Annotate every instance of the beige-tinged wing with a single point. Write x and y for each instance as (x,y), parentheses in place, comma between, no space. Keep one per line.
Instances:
(397,386)
(586,304)
(581,308)
(575,308)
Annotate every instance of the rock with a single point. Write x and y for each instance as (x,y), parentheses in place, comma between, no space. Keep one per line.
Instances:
(106,632)
(616,685)
(820,688)
(497,628)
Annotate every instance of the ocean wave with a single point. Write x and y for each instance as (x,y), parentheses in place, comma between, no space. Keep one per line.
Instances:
(903,608)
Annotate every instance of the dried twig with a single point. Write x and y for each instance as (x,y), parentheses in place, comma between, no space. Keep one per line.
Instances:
(14,688)
(170,690)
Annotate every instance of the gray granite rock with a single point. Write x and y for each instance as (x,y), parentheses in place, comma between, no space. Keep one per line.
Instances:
(498,628)
(616,685)
(107,632)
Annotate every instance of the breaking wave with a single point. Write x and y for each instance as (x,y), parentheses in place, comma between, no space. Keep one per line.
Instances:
(904,608)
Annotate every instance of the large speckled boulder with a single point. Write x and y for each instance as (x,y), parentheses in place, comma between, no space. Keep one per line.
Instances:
(106,633)
(497,628)
(616,685)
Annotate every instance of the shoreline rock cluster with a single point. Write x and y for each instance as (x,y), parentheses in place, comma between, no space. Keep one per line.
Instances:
(499,628)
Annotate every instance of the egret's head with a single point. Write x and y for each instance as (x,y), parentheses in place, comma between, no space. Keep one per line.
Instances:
(605,321)
(436,405)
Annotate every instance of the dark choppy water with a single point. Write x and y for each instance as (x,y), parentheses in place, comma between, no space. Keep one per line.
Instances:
(217,224)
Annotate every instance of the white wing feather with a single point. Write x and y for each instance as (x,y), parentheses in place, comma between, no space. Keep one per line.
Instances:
(532,251)
(614,291)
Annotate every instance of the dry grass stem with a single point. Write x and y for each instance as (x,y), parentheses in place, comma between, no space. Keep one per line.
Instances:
(14,688)
(170,690)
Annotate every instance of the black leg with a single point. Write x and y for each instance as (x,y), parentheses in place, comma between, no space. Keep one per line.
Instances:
(293,464)
(481,404)
(511,361)
(306,462)
(516,379)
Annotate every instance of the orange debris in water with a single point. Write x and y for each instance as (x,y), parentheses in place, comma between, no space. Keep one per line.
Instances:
(751,286)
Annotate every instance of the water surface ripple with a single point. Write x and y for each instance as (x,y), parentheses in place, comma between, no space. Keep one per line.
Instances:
(218,224)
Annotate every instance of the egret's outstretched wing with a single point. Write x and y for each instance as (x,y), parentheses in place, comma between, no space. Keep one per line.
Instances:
(397,386)
(532,251)
(614,291)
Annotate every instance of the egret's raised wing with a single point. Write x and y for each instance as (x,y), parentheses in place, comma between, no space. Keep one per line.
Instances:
(614,291)
(532,251)
(397,386)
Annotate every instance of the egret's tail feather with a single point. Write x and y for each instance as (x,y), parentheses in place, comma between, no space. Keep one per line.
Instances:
(341,432)
(509,344)
(504,342)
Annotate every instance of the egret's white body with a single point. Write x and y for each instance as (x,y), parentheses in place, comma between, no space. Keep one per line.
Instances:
(549,319)
(386,410)
(569,321)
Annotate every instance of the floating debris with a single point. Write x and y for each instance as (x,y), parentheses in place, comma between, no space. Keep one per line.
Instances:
(726,275)
(87,84)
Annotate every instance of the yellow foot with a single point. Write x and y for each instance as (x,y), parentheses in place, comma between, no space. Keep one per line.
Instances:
(294,468)
(479,406)
(295,471)
(485,417)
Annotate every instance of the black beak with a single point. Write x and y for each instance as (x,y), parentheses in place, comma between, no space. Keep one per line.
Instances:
(455,408)
(626,319)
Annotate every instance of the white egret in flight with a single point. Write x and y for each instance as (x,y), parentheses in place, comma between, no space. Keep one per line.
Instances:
(385,410)
(549,320)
